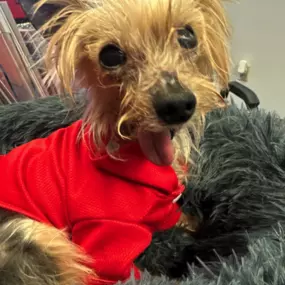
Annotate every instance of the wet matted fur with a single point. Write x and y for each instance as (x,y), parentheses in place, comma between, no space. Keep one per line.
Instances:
(154,64)
(237,190)
(32,253)
(156,61)
(152,70)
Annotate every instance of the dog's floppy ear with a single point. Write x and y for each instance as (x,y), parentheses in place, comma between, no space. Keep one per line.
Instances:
(43,14)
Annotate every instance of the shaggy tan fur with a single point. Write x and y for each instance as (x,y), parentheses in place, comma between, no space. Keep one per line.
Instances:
(120,100)
(146,31)
(55,243)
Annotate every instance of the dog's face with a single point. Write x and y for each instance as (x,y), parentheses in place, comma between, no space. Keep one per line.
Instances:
(152,67)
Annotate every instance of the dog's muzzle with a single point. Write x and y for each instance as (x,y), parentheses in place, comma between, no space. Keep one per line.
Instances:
(173,103)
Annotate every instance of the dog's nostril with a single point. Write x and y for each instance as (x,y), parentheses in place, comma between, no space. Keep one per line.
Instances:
(189,106)
(170,108)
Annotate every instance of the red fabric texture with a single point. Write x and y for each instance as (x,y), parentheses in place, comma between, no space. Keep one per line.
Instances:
(16,9)
(110,207)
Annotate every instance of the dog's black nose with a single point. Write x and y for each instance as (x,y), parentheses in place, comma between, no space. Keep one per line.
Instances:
(176,109)
(173,104)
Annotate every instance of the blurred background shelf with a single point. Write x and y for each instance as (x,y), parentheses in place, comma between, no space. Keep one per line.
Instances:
(22,73)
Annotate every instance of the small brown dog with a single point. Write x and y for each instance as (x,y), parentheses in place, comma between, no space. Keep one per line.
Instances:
(153,69)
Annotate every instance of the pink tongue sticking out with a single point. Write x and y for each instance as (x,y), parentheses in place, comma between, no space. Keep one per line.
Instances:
(157,147)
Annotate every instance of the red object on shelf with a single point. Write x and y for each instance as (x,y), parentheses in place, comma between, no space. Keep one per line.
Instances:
(16,9)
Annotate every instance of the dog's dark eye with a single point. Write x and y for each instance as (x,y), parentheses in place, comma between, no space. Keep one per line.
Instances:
(112,57)
(187,38)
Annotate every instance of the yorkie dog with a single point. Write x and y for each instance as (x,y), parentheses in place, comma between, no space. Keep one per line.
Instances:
(152,70)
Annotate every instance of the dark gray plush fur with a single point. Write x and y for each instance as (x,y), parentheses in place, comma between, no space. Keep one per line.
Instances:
(237,190)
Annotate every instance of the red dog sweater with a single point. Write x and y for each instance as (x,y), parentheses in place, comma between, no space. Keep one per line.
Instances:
(110,207)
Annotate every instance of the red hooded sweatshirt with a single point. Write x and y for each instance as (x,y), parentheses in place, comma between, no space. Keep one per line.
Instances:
(110,207)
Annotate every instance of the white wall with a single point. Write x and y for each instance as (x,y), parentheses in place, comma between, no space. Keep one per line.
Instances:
(259,37)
